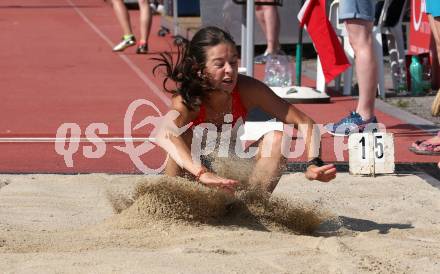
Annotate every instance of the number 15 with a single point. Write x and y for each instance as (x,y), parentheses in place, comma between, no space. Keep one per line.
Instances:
(378,147)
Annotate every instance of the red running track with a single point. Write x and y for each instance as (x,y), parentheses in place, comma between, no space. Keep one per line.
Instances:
(57,67)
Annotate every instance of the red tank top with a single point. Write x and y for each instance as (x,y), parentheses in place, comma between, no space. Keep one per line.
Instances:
(238,110)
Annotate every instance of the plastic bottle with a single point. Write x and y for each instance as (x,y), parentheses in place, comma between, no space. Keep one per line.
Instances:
(416,71)
(277,72)
(402,84)
(426,74)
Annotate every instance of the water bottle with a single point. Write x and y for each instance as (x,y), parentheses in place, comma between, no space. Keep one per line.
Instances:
(277,72)
(402,87)
(416,72)
(426,74)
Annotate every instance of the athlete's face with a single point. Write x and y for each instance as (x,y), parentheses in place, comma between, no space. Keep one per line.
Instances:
(222,66)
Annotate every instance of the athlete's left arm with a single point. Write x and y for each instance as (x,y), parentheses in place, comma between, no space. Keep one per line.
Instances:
(256,94)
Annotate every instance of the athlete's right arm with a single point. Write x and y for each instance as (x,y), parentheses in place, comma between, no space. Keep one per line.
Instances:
(178,144)
(174,141)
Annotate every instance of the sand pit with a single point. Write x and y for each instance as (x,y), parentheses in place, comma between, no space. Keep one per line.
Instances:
(99,223)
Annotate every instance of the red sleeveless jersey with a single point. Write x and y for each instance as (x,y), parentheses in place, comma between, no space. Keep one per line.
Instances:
(238,110)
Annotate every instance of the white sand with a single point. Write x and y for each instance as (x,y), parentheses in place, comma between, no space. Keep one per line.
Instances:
(67,224)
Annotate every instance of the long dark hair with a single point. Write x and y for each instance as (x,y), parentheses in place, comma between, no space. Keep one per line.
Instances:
(188,69)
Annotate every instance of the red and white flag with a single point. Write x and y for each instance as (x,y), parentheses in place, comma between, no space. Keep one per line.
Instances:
(331,54)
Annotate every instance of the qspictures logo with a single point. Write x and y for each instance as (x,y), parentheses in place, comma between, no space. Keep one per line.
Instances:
(207,138)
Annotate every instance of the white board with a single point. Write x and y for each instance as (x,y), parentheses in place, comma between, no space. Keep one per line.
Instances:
(371,153)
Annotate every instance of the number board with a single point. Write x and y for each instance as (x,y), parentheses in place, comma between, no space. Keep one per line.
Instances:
(371,153)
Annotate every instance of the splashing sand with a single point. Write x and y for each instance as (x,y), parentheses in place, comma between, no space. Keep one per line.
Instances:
(176,199)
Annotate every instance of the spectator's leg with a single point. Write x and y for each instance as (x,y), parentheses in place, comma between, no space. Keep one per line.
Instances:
(122,16)
(145,21)
(435,28)
(259,14)
(361,40)
(269,21)
(272,20)
(434,23)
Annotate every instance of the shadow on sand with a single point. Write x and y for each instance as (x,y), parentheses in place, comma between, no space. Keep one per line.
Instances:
(334,227)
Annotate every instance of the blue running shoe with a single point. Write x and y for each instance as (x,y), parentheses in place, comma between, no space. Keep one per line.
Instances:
(353,123)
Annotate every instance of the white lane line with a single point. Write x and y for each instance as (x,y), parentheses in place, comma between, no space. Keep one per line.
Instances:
(75,140)
(133,66)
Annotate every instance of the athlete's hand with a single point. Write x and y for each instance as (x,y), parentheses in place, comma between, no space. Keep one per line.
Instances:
(324,173)
(210,179)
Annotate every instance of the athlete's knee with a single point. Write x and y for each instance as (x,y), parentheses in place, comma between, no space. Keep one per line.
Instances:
(272,144)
